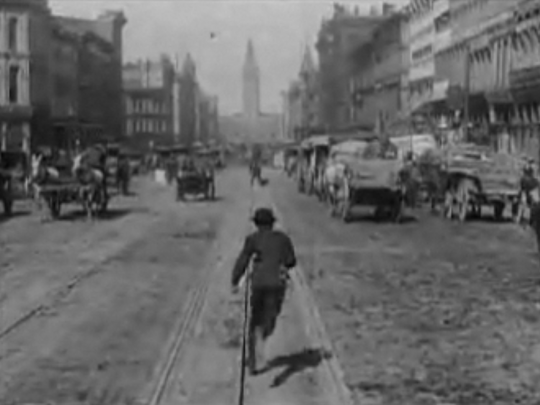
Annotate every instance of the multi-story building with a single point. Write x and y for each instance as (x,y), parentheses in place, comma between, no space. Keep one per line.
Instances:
(24,112)
(294,116)
(422,40)
(99,72)
(64,70)
(149,101)
(523,80)
(309,94)
(377,83)
(338,39)
(188,100)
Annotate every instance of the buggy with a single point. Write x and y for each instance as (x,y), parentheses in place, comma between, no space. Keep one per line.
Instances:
(377,178)
(196,177)
(13,169)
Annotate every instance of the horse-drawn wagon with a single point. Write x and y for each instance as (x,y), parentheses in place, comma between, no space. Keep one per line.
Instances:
(472,177)
(79,183)
(196,176)
(13,176)
(371,174)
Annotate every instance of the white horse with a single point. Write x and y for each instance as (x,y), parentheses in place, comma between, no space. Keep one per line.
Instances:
(334,181)
(93,193)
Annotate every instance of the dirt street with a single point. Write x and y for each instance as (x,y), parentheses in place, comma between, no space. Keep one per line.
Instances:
(86,307)
(89,309)
(426,312)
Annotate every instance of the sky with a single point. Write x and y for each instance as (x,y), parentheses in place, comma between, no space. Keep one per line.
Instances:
(280,29)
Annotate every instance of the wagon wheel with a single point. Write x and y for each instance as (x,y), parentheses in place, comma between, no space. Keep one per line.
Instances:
(498,210)
(213,190)
(398,207)
(464,198)
(477,210)
(103,203)
(8,206)
(449,199)
(345,211)
(54,205)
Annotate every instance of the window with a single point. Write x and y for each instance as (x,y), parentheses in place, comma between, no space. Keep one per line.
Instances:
(13,91)
(12,34)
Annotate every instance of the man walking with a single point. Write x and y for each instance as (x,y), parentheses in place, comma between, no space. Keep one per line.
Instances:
(273,256)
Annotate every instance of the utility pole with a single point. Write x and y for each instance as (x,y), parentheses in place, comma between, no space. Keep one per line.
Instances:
(467,91)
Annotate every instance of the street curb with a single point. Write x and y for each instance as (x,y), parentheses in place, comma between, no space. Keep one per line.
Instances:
(317,333)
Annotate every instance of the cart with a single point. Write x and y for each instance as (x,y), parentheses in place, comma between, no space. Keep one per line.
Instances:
(378,181)
(475,178)
(13,169)
(197,181)
(94,200)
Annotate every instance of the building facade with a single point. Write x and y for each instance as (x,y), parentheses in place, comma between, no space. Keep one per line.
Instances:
(24,109)
(64,76)
(188,100)
(100,72)
(251,85)
(149,101)
(377,83)
(422,41)
(337,45)
(524,81)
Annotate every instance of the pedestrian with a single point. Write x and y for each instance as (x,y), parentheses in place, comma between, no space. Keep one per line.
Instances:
(273,256)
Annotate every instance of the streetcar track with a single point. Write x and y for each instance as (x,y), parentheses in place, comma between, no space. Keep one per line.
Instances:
(53,296)
(188,322)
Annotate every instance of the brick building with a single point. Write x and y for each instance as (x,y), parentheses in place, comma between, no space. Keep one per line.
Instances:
(338,39)
(377,80)
(524,80)
(64,82)
(100,104)
(24,107)
(189,88)
(149,101)
(422,42)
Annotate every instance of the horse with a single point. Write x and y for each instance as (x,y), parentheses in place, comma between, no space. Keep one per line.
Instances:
(42,174)
(86,170)
(333,182)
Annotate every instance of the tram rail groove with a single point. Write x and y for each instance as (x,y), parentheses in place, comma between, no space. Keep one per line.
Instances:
(57,294)
(183,330)
(52,298)
(316,330)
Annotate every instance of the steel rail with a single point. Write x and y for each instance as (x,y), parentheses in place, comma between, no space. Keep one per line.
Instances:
(186,325)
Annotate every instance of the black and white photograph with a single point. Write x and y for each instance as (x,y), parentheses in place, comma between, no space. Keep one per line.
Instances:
(269,202)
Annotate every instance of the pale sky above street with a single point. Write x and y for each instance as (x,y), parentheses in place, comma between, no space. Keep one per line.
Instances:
(279,29)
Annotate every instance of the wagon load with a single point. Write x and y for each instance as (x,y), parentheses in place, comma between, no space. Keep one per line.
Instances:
(375,173)
(417,144)
(373,178)
(476,177)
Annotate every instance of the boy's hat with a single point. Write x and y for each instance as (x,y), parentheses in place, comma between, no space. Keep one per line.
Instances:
(264,216)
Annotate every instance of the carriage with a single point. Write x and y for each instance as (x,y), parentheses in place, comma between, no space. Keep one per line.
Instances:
(373,175)
(13,175)
(56,185)
(197,179)
(472,177)
(312,155)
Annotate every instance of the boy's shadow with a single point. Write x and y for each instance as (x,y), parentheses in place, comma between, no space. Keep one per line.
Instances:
(295,363)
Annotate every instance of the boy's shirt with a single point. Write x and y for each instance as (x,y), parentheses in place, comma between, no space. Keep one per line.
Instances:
(272,251)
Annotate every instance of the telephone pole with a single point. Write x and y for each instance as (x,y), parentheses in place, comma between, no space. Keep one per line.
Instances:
(467,89)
